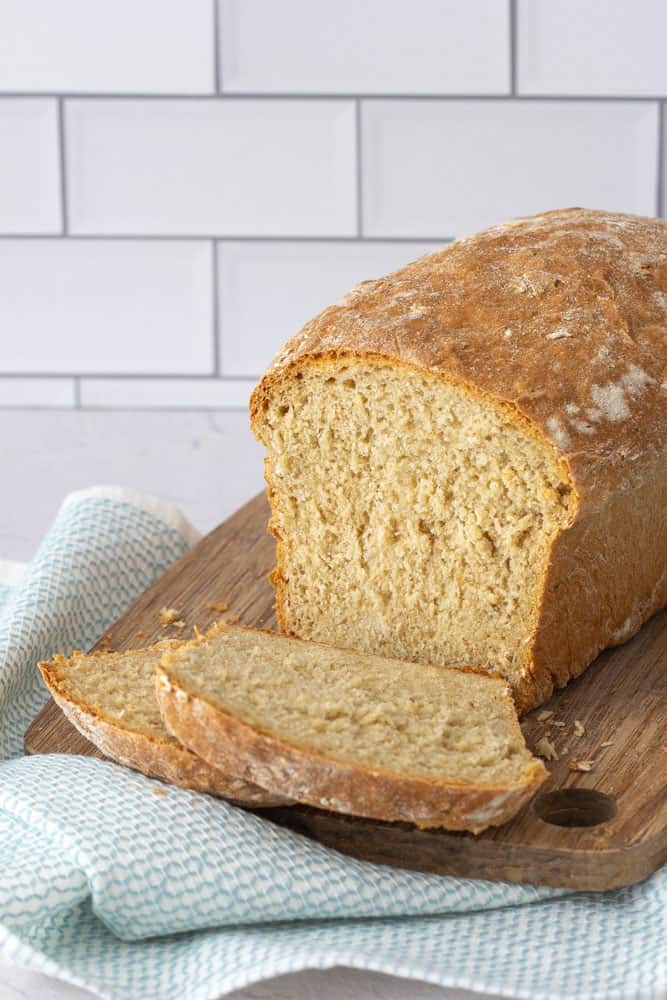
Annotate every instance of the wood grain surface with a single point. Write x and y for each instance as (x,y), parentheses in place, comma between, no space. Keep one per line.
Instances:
(596,829)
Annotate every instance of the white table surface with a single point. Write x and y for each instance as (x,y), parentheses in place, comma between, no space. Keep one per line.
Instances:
(329,984)
(208,463)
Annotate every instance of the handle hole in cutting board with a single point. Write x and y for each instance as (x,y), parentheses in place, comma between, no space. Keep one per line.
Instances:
(575,807)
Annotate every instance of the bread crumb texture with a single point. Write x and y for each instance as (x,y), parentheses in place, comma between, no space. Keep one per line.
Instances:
(466,458)
(416,518)
(110,698)
(117,686)
(420,721)
(563,309)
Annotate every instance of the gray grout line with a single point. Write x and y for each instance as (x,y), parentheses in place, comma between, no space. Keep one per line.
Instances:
(63,166)
(359,165)
(36,408)
(513,25)
(188,238)
(125,408)
(661,206)
(216,312)
(337,96)
(166,408)
(130,376)
(216,48)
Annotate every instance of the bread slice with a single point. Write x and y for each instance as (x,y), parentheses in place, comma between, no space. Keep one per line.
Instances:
(348,731)
(110,698)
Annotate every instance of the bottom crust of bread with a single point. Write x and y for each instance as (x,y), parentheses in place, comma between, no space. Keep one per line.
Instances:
(217,737)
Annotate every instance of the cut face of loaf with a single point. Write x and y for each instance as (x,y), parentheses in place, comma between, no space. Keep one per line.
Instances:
(351,732)
(110,698)
(414,519)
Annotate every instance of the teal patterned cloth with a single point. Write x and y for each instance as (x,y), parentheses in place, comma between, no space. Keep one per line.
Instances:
(110,884)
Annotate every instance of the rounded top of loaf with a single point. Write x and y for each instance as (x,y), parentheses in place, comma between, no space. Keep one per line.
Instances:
(561,318)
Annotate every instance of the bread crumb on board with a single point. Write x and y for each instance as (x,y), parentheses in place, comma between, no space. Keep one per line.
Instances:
(578,729)
(607,743)
(218,606)
(546,749)
(543,716)
(581,765)
(169,615)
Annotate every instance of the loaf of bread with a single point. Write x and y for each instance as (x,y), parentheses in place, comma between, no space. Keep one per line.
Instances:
(466,459)
(349,731)
(110,698)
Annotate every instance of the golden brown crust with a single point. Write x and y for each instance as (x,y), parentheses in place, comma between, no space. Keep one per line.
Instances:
(560,311)
(561,321)
(157,758)
(606,576)
(337,785)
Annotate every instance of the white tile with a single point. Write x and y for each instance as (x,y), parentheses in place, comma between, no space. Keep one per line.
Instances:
(662,209)
(206,463)
(601,47)
(69,306)
(268,290)
(29,166)
(227,167)
(120,46)
(166,393)
(374,47)
(36,392)
(444,168)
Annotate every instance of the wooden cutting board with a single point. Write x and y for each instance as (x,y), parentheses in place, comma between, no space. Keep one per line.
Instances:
(585,830)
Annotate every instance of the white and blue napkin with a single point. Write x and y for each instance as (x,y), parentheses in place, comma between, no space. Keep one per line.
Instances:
(112,885)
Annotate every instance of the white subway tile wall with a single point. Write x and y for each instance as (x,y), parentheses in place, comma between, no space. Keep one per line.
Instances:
(188,167)
(165,393)
(489,161)
(79,306)
(268,290)
(107,46)
(597,48)
(36,393)
(29,166)
(184,182)
(371,47)
(206,462)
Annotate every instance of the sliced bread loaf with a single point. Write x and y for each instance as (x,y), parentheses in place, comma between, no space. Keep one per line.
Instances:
(467,458)
(348,731)
(110,698)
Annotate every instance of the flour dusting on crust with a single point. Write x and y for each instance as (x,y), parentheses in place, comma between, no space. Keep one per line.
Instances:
(562,310)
